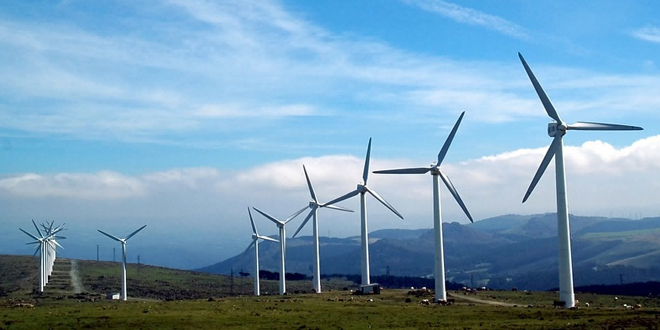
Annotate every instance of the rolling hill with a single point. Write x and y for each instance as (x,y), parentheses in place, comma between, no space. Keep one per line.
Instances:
(501,252)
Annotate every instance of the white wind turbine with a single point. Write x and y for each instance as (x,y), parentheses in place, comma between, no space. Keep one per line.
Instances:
(557,129)
(47,245)
(51,246)
(124,296)
(362,189)
(282,226)
(255,242)
(439,270)
(313,213)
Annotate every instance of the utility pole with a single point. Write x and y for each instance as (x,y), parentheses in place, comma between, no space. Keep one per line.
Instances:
(231,283)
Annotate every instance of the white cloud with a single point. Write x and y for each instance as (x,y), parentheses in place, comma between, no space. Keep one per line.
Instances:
(238,111)
(213,63)
(649,33)
(471,16)
(86,186)
(490,185)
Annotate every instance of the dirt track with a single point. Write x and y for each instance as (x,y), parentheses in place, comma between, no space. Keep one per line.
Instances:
(481,301)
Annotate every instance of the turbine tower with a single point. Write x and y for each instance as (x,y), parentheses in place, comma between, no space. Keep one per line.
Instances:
(124,296)
(557,129)
(282,226)
(314,205)
(255,242)
(439,270)
(362,190)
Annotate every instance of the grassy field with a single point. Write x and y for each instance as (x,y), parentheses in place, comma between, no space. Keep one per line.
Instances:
(186,304)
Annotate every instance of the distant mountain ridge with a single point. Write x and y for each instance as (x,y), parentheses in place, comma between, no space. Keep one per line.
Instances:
(501,252)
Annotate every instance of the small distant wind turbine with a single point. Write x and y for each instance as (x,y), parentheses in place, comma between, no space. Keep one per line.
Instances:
(46,249)
(362,189)
(314,205)
(557,129)
(51,246)
(124,296)
(439,271)
(255,242)
(281,224)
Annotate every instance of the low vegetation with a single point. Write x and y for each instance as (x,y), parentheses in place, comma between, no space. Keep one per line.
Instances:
(165,298)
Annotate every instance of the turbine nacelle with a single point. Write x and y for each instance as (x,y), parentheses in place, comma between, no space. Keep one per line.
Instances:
(554,128)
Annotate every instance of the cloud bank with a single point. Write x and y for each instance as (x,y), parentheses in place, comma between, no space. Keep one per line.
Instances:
(207,203)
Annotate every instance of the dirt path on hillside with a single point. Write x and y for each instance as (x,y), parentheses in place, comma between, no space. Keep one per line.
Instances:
(481,301)
(75,279)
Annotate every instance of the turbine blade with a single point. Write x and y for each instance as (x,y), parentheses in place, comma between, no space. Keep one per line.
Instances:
(334,207)
(55,231)
(539,90)
(296,214)
(309,185)
(254,228)
(454,193)
(365,172)
(36,250)
(133,233)
(587,126)
(37,227)
(59,237)
(270,239)
(544,164)
(341,198)
(411,170)
(268,216)
(384,202)
(309,216)
(35,237)
(445,147)
(111,236)
(58,244)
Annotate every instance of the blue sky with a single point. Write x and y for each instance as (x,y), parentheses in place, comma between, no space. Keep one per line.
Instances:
(180,114)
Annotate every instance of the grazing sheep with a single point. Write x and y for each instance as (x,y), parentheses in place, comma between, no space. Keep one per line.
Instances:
(425,302)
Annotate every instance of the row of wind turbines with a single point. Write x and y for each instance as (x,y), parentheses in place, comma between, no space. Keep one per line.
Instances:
(556,129)
(47,250)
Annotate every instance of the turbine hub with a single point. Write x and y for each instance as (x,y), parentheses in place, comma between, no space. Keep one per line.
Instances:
(361,187)
(312,204)
(555,128)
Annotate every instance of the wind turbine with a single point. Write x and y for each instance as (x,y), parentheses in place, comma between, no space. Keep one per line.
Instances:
(123,259)
(439,270)
(362,190)
(281,224)
(557,129)
(255,242)
(51,246)
(313,213)
(46,248)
